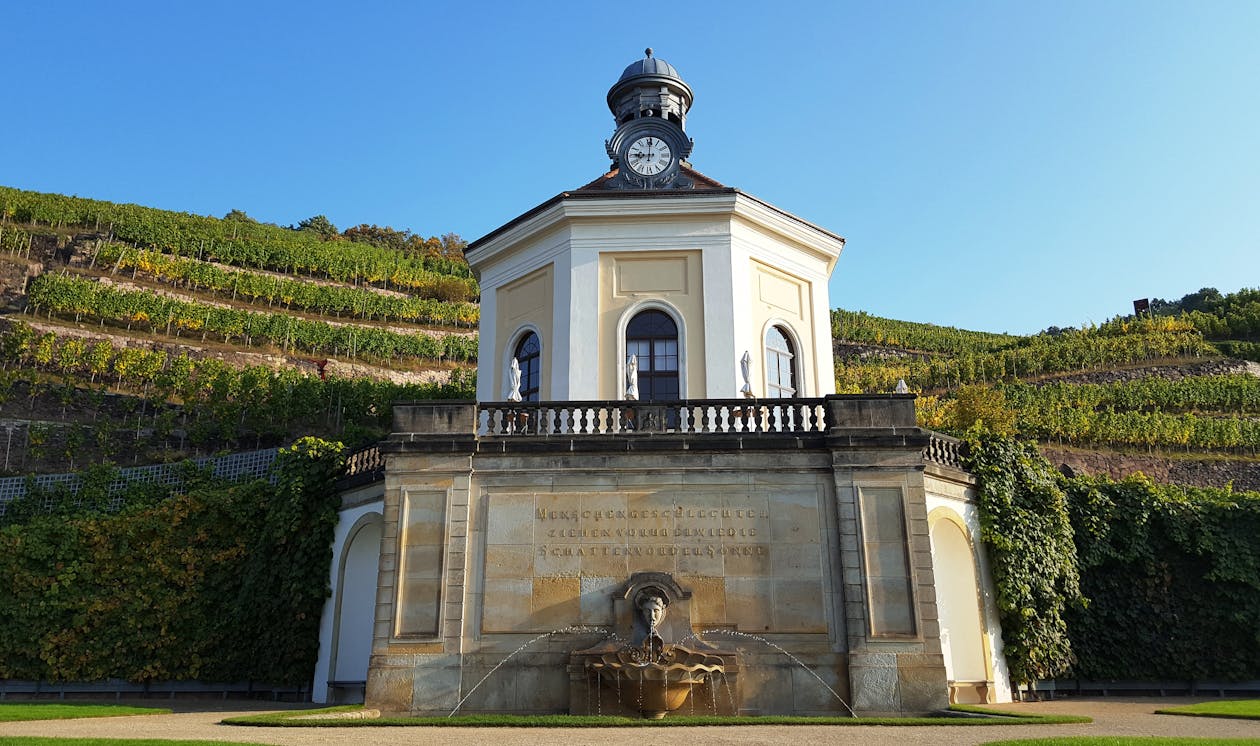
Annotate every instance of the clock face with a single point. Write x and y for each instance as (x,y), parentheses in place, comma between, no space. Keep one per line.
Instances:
(648,156)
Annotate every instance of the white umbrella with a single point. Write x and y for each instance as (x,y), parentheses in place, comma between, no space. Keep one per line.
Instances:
(745,368)
(514,381)
(632,378)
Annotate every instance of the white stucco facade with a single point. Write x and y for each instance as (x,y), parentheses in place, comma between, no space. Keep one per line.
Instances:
(720,263)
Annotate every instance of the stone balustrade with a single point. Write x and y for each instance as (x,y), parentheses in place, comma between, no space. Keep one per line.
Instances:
(698,417)
(365,462)
(945,451)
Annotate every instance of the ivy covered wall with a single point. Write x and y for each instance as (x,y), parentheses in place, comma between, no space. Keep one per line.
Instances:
(1173,578)
(1103,579)
(218,582)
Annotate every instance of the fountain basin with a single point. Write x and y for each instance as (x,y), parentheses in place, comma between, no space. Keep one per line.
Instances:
(655,687)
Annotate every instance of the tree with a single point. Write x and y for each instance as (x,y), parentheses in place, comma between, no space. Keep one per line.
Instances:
(980,406)
(320,225)
(375,235)
(240,216)
(453,246)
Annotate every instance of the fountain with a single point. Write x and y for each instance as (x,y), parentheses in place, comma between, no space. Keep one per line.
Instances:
(653,674)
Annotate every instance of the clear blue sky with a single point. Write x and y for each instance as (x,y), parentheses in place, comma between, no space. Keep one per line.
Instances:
(1003,166)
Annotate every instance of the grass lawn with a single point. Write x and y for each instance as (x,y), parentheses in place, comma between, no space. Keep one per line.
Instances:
(42,741)
(1127,741)
(296,719)
(1246,709)
(10,711)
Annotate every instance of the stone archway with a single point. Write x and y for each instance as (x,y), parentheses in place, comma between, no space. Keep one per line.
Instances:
(962,626)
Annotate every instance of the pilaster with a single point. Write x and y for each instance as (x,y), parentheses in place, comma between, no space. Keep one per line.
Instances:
(891,618)
(423,592)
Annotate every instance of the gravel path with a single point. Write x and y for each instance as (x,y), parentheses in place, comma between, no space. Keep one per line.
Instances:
(200,720)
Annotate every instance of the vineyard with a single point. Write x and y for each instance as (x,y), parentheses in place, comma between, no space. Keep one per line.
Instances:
(1039,386)
(323,299)
(164,334)
(210,327)
(242,243)
(70,296)
(861,327)
(1034,357)
(168,402)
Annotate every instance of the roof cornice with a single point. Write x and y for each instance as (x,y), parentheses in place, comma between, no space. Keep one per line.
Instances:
(568,206)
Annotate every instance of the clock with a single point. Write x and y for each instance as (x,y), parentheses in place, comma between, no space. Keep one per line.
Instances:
(648,156)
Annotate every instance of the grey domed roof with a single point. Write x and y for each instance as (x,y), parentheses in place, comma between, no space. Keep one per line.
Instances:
(649,65)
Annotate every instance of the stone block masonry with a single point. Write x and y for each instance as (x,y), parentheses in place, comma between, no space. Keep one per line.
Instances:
(509,548)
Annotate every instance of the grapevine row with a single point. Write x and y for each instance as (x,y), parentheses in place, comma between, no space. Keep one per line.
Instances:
(257,399)
(1150,429)
(69,295)
(310,296)
(858,326)
(243,243)
(1041,356)
(1229,394)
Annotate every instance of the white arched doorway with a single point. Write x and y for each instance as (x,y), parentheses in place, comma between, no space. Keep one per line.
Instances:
(958,601)
(355,611)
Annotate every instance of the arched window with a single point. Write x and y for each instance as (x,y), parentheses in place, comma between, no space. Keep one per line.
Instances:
(653,337)
(780,365)
(529,356)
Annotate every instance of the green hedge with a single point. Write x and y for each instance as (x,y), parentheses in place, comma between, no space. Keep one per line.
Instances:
(218,582)
(1102,579)
(1173,578)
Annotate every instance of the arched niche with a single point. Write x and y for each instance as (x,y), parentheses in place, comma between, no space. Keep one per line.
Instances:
(963,638)
(355,609)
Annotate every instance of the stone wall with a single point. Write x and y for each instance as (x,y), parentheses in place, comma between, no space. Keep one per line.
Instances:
(508,551)
(1243,475)
(1218,367)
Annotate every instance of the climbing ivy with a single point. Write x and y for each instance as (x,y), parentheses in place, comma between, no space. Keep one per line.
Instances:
(1103,579)
(218,581)
(1173,574)
(1025,526)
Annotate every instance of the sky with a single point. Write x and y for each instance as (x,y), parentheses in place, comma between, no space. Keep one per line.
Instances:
(999,166)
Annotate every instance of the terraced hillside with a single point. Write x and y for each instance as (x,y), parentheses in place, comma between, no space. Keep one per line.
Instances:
(137,335)
(1170,395)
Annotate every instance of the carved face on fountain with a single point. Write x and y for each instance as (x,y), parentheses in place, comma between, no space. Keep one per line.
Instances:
(652,607)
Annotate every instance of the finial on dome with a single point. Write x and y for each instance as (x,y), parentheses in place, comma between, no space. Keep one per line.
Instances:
(648,51)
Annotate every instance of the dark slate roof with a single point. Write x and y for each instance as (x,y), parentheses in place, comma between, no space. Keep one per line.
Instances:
(599,189)
(702,182)
(649,65)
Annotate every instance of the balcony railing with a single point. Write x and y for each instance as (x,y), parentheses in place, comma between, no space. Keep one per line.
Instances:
(702,416)
(365,463)
(945,451)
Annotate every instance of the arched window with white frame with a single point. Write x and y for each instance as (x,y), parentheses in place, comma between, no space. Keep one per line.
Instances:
(528,356)
(781,365)
(652,337)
